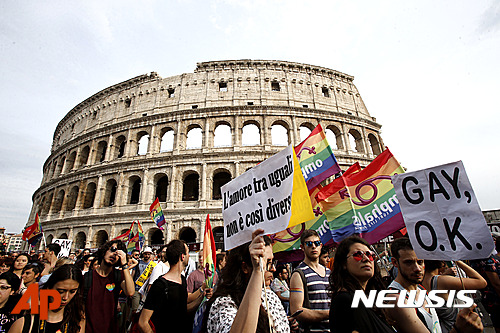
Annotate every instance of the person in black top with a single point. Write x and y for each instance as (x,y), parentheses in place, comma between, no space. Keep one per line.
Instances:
(354,269)
(167,301)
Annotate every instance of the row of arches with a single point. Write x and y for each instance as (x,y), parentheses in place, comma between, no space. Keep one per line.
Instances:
(281,134)
(72,197)
(154,236)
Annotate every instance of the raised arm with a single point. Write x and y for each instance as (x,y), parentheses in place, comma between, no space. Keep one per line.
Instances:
(474,281)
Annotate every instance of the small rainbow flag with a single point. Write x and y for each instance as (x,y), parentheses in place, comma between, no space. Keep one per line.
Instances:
(316,158)
(289,239)
(364,202)
(34,232)
(125,236)
(157,214)
(133,244)
(140,234)
(209,254)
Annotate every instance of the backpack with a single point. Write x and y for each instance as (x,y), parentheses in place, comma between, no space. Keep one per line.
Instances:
(306,304)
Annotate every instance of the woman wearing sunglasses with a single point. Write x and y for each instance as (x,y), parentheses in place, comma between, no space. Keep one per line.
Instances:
(354,269)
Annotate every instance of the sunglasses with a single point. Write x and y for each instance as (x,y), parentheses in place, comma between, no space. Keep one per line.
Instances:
(310,243)
(358,255)
(113,249)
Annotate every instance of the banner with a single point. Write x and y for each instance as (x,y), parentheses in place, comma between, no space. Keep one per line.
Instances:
(442,214)
(34,232)
(316,158)
(65,247)
(157,214)
(365,202)
(272,196)
(146,273)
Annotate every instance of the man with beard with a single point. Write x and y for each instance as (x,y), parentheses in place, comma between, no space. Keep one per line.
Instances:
(423,319)
(102,287)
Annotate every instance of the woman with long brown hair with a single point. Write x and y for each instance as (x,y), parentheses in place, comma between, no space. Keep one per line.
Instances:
(70,316)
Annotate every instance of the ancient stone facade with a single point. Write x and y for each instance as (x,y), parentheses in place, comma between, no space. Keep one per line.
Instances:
(149,137)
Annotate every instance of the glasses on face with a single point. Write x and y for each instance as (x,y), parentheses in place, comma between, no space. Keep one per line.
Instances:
(113,249)
(5,287)
(358,255)
(271,264)
(310,243)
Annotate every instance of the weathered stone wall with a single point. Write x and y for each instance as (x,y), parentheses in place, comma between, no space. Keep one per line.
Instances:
(96,144)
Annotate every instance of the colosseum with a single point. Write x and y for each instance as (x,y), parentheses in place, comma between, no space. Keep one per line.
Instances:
(181,138)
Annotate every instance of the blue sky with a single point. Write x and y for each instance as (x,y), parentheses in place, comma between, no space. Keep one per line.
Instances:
(427,70)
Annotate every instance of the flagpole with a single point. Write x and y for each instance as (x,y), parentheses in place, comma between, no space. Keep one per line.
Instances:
(44,242)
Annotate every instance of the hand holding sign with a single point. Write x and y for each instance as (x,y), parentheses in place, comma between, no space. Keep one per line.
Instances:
(442,215)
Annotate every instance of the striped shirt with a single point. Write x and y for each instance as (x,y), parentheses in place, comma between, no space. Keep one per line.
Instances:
(318,294)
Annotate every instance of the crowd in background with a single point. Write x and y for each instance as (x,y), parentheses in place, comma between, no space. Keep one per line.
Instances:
(166,291)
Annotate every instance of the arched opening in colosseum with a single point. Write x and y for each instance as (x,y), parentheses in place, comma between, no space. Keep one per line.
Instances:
(89,195)
(120,145)
(47,171)
(54,168)
(60,166)
(70,162)
(194,137)
(72,198)
(101,237)
(190,187)
(134,189)
(155,236)
(219,238)
(58,202)
(220,179)
(334,137)
(49,239)
(374,144)
(161,181)
(222,135)
(304,130)
(250,134)
(188,235)
(46,206)
(167,140)
(143,143)
(279,134)
(356,141)
(102,146)
(84,156)
(110,193)
(80,240)
(63,236)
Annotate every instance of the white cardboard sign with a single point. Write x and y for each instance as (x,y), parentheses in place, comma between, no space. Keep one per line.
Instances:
(259,198)
(65,247)
(442,214)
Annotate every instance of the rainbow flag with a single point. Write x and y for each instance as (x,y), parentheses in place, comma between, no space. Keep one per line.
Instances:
(316,158)
(209,254)
(133,244)
(289,239)
(125,236)
(140,234)
(157,214)
(364,202)
(34,232)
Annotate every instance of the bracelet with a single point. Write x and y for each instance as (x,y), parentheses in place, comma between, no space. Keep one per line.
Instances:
(124,266)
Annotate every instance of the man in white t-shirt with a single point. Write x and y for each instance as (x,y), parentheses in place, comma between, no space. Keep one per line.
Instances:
(280,287)
(161,268)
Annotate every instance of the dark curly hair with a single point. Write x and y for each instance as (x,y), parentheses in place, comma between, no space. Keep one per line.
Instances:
(74,310)
(233,282)
(341,279)
(106,246)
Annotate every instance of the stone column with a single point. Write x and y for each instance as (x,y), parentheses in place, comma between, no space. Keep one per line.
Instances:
(121,190)
(203,180)
(108,155)
(173,185)
(153,146)
(347,143)
(98,194)
(146,188)
(92,153)
(295,135)
(364,140)
(88,242)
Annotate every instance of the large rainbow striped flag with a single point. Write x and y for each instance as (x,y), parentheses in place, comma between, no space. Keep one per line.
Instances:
(34,232)
(157,214)
(289,239)
(209,254)
(140,234)
(316,158)
(365,202)
(133,244)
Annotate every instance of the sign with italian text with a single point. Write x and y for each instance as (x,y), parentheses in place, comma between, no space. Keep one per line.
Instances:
(272,196)
(65,247)
(442,214)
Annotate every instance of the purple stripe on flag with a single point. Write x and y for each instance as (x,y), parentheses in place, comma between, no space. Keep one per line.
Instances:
(328,168)
(382,230)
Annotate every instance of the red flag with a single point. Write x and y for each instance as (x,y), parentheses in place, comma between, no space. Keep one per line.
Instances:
(209,255)
(34,232)
(125,236)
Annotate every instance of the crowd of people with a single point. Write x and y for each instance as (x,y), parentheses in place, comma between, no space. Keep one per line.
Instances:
(112,291)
